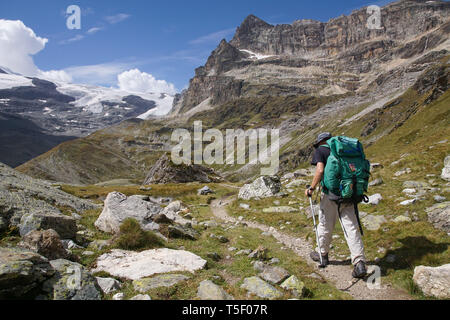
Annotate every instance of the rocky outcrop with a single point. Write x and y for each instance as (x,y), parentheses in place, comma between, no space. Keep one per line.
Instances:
(262,187)
(439,216)
(65,226)
(165,171)
(433,282)
(118,207)
(22,273)
(71,281)
(137,265)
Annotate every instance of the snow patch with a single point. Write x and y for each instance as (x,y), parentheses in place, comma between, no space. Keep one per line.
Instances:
(9,81)
(255,56)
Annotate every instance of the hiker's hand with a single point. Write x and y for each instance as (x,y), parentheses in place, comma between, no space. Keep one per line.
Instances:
(309,192)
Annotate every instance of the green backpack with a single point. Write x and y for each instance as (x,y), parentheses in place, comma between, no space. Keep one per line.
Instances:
(347,171)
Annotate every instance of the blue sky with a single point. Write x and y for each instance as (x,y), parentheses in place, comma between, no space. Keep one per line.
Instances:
(167,39)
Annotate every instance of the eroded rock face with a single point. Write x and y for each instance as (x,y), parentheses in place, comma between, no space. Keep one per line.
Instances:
(433,281)
(137,265)
(21,272)
(165,171)
(119,207)
(262,187)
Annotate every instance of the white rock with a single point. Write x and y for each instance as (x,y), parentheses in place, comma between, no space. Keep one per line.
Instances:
(262,187)
(119,207)
(137,265)
(118,296)
(374,199)
(141,297)
(408,202)
(409,191)
(446,170)
(433,281)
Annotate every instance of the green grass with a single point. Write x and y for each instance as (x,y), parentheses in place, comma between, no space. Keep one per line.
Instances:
(132,237)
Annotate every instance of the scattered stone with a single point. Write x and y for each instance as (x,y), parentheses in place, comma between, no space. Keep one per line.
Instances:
(374,199)
(402,172)
(283,209)
(376,182)
(118,296)
(297,183)
(295,285)
(275,275)
(439,216)
(372,222)
(243,252)
(141,297)
(88,253)
(415,184)
(274,261)
(401,219)
(99,245)
(408,202)
(22,271)
(207,290)
(433,281)
(446,170)
(439,198)
(118,207)
(260,288)
(244,206)
(72,281)
(183,232)
(376,166)
(223,239)
(209,224)
(409,191)
(65,226)
(204,191)
(304,172)
(145,188)
(263,187)
(163,280)
(108,285)
(137,265)
(259,254)
(46,243)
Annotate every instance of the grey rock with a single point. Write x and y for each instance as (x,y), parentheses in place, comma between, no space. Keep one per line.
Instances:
(402,219)
(141,297)
(183,232)
(205,191)
(118,296)
(118,207)
(415,184)
(316,209)
(376,182)
(21,272)
(65,226)
(108,285)
(402,172)
(207,290)
(275,275)
(244,206)
(260,288)
(71,281)
(263,187)
(434,282)
(46,243)
(408,202)
(374,199)
(163,280)
(259,253)
(295,285)
(439,216)
(372,222)
(282,209)
(439,198)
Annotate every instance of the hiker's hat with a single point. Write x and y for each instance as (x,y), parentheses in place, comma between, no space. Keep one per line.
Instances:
(322,137)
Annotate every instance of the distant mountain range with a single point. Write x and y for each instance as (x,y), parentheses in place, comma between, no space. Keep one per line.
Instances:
(37,114)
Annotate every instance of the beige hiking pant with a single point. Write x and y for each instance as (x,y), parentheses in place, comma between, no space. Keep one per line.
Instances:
(327,221)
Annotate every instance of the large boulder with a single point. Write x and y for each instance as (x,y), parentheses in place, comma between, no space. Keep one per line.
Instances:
(22,272)
(433,281)
(118,207)
(439,216)
(208,290)
(263,187)
(46,243)
(65,226)
(446,170)
(71,281)
(137,265)
(165,171)
(275,275)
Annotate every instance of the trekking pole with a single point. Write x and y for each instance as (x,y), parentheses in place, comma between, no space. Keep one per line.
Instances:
(315,230)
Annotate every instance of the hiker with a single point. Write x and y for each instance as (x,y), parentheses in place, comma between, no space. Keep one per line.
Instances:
(329,214)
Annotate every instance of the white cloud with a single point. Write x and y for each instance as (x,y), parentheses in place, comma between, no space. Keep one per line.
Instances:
(213,37)
(17,45)
(56,76)
(141,82)
(117,18)
(98,74)
(78,37)
(94,30)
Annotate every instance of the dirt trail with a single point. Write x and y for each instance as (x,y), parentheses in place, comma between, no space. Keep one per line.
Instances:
(337,273)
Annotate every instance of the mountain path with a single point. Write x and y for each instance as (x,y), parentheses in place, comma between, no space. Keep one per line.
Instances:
(337,273)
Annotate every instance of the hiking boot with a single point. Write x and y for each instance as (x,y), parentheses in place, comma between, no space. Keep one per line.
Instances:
(315,257)
(360,270)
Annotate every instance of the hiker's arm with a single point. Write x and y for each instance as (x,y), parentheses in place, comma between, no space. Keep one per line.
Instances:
(317,177)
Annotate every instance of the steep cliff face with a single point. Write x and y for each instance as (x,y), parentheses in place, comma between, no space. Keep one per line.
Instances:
(313,57)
